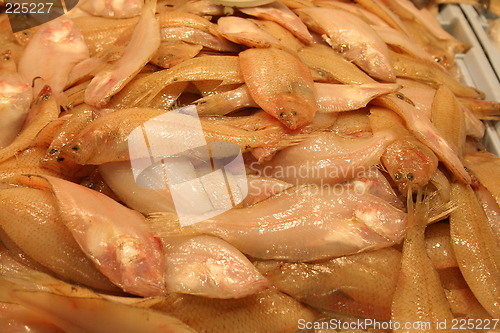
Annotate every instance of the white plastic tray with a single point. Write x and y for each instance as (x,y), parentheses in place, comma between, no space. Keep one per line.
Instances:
(477,66)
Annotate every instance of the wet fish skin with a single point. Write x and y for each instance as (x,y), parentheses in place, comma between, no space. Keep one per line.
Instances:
(326,158)
(285,220)
(30,219)
(208,266)
(419,295)
(449,119)
(476,248)
(361,45)
(281,14)
(422,128)
(111,80)
(409,163)
(16,96)
(171,54)
(246,32)
(52,53)
(439,246)
(43,110)
(269,311)
(355,284)
(114,237)
(280,84)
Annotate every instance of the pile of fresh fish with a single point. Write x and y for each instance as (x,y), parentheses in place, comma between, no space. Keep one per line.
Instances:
(368,193)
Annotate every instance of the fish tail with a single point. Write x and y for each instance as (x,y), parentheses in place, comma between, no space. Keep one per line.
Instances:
(292,140)
(149,5)
(166,224)
(418,211)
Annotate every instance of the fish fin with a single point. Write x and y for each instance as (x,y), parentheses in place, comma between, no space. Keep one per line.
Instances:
(166,224)
(421,213)
(418,211)
(440,211)
(150,5)
(293,140)
(27,180)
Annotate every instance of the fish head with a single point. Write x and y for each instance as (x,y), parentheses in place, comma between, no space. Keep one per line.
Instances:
(409,163)
(296,107)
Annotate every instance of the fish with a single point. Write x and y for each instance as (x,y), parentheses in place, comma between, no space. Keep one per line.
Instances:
(429,25)
(43,110)
(52,160)
(168,97)
(101,33)
(197,37)
(461,299)
(342,97)
(449,119)
(77,314)
(287,41)
(325,158)
(403,42)
(476,249)
(110,80)
(419,294)
(30,218)
(280,84)
(168,18)
(115,238)
(409,163)
(261,188)
(485,165)
(355,284)
(484,110)
(268,311)
(331,66)
(225,102)
(88,68)
(87,145)
(289,227)
(490,207)
(439,246)
(422,128)
(208,266)
(381,10)
(281,14)
(141,91)
(15,101)
(112,9)
(120,178)
(51,54)
(245,32)
(7,64)
(361,44)
(352,124)
(408,67)
(171,54)
(17,318)
(421,97)
(353,9)
(294,4)
(201,8)
(28,161)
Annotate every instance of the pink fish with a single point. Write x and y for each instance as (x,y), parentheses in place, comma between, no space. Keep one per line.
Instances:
(114,237)
(353,38)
